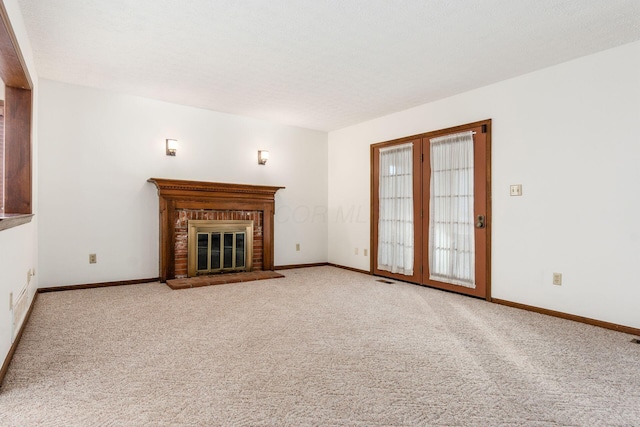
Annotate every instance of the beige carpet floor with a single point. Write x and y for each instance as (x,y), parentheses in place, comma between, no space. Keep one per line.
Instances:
(321,347)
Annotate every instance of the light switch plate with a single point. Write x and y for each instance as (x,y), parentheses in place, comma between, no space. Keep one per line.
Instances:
(516,190)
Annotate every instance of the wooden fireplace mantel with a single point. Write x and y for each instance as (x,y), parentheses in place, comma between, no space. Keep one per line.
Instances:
(178,194)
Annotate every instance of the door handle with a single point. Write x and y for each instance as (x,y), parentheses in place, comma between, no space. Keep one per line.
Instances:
(480,221)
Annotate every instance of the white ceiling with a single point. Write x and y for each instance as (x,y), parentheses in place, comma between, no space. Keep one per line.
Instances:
(317,64)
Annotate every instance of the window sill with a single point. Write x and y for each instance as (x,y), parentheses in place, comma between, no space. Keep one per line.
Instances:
(13,220)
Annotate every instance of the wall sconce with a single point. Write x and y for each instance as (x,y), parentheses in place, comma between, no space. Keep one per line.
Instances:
(172,147)
(263,156)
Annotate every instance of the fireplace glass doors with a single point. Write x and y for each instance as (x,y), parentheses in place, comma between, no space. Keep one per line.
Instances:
(219,246)
(220,251)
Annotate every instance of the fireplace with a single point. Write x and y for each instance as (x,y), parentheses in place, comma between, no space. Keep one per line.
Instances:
(184,239)
(185,203)
(219,246)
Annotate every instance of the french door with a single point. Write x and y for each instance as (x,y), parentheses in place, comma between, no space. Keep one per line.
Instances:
(451,209)
(386,170)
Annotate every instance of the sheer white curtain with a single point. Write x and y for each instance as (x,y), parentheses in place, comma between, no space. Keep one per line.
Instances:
(451,222)
(395,225)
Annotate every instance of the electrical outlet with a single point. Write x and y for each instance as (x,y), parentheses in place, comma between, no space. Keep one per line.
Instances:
(516,190)
(366,252)
(356,251)
(93,259)
(557,279)
(298,247)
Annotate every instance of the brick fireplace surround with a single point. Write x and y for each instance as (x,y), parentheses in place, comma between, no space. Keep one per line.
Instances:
(180,230)
(181,201)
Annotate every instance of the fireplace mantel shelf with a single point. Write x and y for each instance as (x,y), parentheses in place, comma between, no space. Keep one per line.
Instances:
(176,185)
(177,194)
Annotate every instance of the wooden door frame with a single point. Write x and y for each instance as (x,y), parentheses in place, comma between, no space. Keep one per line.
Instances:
(484,124)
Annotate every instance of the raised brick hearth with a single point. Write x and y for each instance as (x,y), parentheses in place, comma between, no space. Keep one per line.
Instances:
(222,279)
(181,201)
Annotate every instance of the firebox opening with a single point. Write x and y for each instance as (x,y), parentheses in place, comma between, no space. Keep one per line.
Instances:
(219,246)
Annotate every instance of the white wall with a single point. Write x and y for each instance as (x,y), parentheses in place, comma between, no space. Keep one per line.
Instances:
(569,135)
(97,150)
(18,246)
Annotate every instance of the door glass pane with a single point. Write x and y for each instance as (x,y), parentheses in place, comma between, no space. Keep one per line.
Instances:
(395,222)
(203,246)
(240,250)
(228,250)
(215,251)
